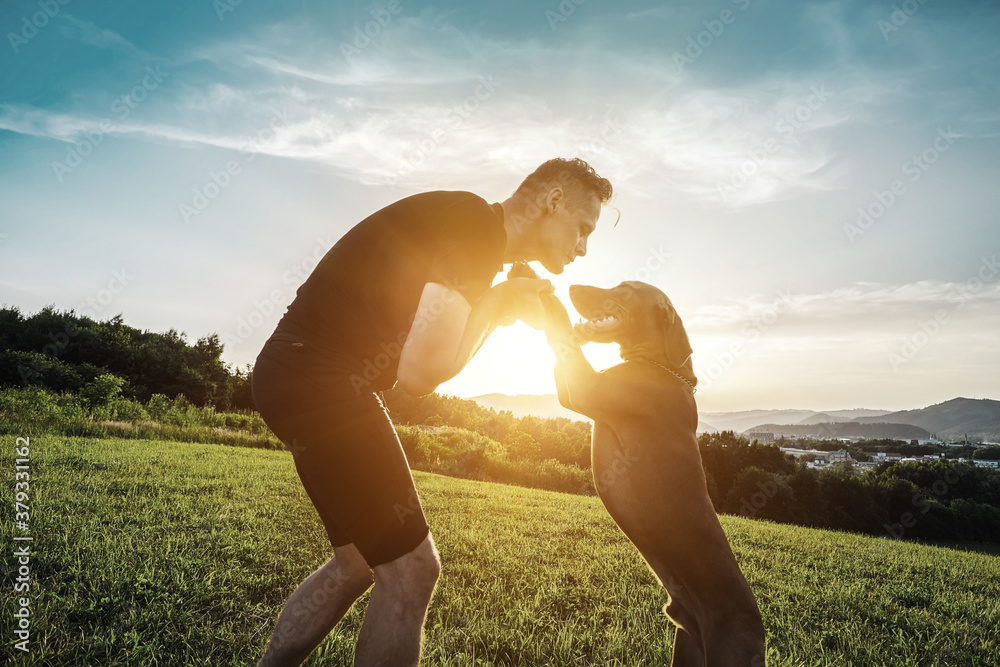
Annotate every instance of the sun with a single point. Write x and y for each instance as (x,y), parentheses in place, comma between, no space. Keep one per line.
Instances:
(518,360)
(514,360)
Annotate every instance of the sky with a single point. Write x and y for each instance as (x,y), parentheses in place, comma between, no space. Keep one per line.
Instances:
(813,184)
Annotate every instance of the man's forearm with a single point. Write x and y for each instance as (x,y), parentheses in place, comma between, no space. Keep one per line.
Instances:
(435,354)
(484,317)
(448,330)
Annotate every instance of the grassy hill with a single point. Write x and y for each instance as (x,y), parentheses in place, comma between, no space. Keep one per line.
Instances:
(171,553)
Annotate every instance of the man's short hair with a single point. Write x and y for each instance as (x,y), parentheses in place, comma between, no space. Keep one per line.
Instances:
(575,176)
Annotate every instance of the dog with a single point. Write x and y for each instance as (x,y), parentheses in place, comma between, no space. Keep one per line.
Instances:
(647,466)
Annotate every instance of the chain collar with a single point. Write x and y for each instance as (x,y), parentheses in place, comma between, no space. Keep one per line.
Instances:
(674,373)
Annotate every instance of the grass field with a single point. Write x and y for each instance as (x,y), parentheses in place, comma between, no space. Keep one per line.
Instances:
(170,553)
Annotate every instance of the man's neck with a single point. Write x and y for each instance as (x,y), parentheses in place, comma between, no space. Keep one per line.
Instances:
(519,231)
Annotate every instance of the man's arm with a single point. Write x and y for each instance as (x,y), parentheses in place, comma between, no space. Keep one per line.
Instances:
(447,331)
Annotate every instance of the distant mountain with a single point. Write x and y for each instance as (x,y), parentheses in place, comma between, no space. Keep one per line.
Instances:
(522,405)
(704,427)
(823,418)
(546,405)
(848,430)
(979,418)
(747,420)
(855,413)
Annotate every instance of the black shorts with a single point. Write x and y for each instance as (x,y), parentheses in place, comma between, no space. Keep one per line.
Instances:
(345,448)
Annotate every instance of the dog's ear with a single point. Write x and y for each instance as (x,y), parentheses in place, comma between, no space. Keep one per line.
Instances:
(675,340)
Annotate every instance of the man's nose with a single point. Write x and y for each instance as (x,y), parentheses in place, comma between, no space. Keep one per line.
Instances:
(581,248)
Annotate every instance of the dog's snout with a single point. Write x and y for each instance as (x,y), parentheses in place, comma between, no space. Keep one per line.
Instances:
(587,299)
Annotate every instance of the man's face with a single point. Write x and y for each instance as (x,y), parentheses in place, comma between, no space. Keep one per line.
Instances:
(565,227)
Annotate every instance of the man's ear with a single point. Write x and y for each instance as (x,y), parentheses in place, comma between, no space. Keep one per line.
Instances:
(555,198)
(675,340)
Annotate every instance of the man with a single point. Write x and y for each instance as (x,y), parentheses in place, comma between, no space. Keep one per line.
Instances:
(405,296)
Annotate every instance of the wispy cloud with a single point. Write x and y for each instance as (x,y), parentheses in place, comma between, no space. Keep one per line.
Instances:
(90,34)
(655,13)
(856,310)
(744,163)
(407,104)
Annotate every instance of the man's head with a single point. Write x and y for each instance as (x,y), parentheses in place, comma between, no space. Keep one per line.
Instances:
(553,211)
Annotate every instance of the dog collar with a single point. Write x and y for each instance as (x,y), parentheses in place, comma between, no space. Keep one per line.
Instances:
(674,373)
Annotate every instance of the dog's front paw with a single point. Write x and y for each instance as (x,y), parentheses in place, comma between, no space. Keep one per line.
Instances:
(558,327)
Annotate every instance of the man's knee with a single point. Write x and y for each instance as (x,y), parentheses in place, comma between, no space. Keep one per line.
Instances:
(416,571)
(359,579)
(348,568)
(423,562)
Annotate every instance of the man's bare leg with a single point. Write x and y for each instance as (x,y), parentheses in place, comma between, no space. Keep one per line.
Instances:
(392,633)
(316,606)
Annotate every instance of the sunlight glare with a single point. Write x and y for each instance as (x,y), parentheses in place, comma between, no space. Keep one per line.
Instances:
(517,360)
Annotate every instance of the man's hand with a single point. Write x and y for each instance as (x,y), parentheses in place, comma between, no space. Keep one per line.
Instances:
(522,299)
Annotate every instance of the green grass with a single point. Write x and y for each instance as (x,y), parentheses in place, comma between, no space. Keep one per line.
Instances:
(170,553)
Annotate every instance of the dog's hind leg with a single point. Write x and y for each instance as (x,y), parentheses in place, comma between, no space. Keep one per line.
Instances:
(735,639)
(687,650)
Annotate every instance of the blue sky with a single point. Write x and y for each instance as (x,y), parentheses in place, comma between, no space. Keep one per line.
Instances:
(813,184)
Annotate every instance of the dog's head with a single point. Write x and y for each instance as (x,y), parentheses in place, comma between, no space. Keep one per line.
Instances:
(637,316)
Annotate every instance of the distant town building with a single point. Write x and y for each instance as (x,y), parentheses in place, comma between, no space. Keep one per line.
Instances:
(882,457)
(818,459)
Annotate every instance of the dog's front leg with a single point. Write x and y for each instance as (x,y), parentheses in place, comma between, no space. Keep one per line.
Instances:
(562,389)
(603,396)
(576,379)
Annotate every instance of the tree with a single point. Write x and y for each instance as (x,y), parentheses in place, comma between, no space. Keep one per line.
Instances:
(761,494)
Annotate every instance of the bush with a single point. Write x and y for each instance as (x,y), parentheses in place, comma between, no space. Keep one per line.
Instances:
(128,410)
(158,405)
(102,391)
(174,417)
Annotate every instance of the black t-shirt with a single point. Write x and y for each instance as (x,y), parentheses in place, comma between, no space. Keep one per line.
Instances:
(359,302)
